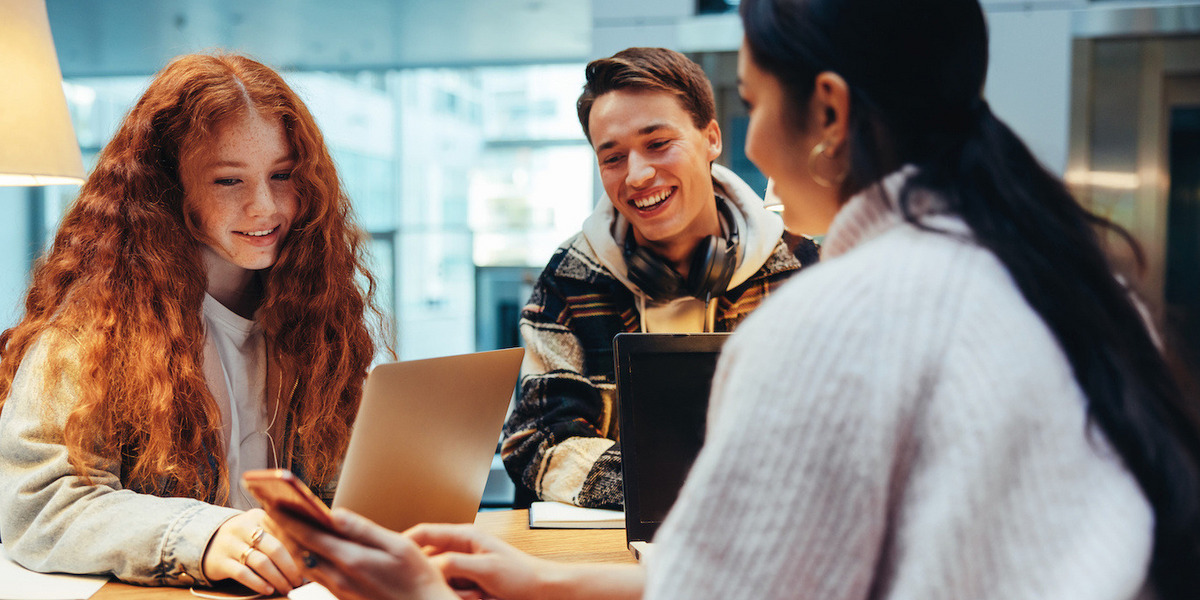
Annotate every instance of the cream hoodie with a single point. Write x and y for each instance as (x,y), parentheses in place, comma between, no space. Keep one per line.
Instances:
(759,230)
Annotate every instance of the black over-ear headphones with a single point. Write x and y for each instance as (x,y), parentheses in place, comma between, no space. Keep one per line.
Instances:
(712,265)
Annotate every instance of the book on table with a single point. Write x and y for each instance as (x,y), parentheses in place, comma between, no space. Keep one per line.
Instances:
(557,515)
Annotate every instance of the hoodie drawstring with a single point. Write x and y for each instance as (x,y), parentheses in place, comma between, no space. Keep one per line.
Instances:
(710,314)
(641,299)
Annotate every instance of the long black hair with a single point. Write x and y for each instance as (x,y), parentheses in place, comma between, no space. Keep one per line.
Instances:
(916,71)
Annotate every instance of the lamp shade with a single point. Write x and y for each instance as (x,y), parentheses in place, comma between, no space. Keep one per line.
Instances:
(37,142)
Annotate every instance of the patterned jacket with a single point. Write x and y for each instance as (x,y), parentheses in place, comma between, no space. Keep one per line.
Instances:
(560,441)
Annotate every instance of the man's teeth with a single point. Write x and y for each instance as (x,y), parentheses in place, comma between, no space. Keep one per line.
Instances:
(259,233)
(651,200)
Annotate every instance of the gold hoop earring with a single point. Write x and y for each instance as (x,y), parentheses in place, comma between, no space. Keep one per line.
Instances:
(819,150)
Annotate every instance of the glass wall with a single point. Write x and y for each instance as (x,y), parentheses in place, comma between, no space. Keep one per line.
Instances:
(462,177)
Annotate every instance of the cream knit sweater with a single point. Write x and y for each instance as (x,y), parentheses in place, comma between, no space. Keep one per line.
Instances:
(898,423)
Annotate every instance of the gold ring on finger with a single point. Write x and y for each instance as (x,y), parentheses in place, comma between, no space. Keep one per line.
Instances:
(245,554)
(257,536)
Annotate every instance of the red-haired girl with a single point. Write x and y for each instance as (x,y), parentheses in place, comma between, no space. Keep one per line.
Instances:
(199,315)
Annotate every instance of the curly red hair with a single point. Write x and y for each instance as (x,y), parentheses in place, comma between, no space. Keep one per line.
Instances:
(125,280)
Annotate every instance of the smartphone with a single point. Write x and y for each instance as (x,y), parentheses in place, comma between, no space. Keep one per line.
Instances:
(280,489)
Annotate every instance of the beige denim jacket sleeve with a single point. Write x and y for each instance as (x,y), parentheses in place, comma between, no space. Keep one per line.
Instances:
(52,521)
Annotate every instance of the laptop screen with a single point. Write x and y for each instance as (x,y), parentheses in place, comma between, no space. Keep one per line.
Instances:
(663,382)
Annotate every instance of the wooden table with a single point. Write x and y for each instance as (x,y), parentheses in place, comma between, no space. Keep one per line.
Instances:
(512,526)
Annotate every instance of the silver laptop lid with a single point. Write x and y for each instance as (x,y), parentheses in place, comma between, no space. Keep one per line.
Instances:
(424,438)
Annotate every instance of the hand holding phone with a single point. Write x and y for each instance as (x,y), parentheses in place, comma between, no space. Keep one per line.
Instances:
(280,490)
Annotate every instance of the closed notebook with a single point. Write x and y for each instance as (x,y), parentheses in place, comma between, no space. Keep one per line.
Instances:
(557,515)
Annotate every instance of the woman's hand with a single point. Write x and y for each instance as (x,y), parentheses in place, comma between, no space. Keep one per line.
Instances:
(242,550)
(361,559)
(478,565)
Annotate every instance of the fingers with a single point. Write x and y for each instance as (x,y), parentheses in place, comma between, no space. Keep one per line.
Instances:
(346,583)
(278,527)
(358,528)
(232,567)
(279,568)
(222,557)
(305,560)
(247,577)
(361,558)
(299,535)
(453,538)
(273,547)
(242,550)
(266,557)
(475,568)
(354,534)
(302,539)
(498,574)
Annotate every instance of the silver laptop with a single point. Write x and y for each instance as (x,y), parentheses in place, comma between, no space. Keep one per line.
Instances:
(663,382)
(424,438)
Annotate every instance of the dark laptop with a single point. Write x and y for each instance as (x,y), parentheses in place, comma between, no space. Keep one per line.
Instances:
(663,381)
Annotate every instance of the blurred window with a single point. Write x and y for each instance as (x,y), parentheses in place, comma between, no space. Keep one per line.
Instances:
(710,7)
(460,176)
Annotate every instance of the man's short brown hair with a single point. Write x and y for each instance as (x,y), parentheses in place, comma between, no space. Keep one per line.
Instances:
(650,69)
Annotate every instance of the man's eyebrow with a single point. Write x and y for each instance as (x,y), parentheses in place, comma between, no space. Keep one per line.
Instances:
(651,128)
(647,130)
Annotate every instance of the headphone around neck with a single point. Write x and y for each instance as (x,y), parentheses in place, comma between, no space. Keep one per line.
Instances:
(710,270)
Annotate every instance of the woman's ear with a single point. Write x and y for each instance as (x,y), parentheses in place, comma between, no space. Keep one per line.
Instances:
(831,110)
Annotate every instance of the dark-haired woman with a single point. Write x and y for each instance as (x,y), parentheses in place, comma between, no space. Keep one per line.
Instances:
(198,316)
(1004,424)
(959,401)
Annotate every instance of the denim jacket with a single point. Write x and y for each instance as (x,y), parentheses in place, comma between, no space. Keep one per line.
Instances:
(52,521)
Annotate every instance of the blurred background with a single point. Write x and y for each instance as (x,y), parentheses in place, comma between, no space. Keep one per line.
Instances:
(452,123)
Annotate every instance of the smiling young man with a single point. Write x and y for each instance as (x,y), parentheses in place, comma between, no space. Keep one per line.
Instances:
(678,245)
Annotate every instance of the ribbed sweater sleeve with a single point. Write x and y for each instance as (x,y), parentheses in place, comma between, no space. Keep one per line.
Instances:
(898,423)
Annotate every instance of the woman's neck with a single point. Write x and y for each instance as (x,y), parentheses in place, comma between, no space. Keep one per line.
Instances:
(240,290)
(243,300)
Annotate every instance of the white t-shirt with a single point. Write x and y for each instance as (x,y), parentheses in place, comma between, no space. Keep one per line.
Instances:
(235,367)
